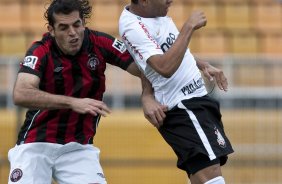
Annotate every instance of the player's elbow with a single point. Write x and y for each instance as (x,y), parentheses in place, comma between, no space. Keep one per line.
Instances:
(166,75)
(18,98)
(161,66)
(165,72)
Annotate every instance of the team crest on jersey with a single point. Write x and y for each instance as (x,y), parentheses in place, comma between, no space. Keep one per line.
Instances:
(220,138)
(93,62)
(119,45)
(16,175)
(30,61)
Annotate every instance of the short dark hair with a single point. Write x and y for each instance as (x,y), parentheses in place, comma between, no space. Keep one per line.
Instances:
(134,1)
(67,7)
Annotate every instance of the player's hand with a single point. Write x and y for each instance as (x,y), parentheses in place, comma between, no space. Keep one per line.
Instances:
(154,112)
(197,20)
(212,73)
(90,106)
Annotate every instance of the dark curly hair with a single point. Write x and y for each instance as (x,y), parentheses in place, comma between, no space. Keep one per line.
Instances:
(66,7)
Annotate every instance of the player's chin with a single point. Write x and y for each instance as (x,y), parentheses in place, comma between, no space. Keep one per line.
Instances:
(73,50)
(166,11)
(163,15)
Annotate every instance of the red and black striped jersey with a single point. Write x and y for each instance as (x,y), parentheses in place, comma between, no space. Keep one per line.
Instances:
(79,76)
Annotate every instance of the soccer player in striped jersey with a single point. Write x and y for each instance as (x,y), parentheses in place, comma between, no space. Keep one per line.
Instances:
(62,81)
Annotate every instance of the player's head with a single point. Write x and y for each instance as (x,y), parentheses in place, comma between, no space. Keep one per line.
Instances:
(66,23)
(152,8)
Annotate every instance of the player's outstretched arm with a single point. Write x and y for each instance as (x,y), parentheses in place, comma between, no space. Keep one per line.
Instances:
(167,63)
(27,94)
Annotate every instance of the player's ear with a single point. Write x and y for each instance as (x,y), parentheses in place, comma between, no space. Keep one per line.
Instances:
(83,22)
(51,30)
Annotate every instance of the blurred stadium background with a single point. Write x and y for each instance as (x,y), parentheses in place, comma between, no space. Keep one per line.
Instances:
(243,37)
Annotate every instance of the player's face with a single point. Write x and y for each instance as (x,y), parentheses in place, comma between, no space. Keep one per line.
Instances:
(159,8)
(68,31)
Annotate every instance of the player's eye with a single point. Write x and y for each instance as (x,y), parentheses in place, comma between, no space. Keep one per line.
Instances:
(78,24)
(63,28)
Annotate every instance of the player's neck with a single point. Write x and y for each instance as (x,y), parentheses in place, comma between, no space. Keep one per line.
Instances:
(138,10)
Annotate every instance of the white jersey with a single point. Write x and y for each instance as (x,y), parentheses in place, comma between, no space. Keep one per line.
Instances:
(145,37)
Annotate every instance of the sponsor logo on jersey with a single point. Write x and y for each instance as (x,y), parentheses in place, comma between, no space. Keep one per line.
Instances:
(131,47)
(193,86)
(169,41)
(119,45)
(93,62)
(16,175)
(30,61)
(150,37)
(220,139)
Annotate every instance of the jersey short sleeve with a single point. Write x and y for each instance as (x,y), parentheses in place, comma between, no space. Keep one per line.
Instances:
(112,49)
(34,60)
(138,40)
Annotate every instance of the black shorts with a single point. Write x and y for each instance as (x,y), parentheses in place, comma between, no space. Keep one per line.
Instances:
(195,132)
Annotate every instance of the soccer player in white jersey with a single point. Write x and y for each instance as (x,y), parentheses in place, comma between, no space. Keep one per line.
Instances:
(193,126)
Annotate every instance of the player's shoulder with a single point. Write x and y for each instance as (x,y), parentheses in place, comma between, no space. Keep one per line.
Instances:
(127,18)
(96,34)
(42,46)
(101,40)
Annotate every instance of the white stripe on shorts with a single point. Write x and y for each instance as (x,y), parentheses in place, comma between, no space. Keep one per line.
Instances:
(200,131)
